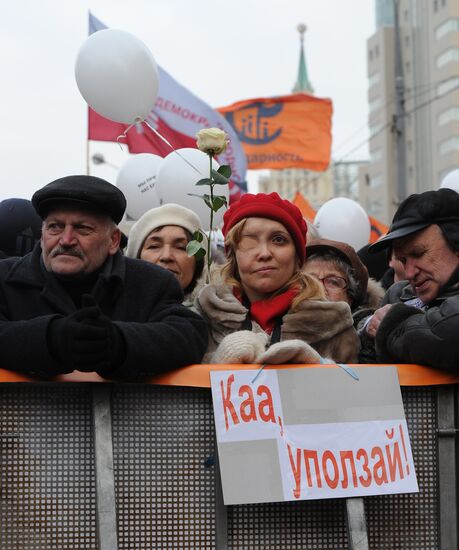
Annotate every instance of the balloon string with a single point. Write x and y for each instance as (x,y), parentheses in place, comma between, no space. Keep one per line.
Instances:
(124,134)
(171,146)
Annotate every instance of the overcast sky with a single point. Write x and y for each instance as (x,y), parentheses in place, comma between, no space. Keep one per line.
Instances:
(221,51)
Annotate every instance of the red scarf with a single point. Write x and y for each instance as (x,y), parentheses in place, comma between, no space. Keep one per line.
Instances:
(266,311)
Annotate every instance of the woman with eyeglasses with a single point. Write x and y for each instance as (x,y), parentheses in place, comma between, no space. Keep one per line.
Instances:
(344,278)
(264,308)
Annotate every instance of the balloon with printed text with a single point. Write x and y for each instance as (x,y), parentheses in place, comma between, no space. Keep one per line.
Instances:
(117,76)
(176,182)
(137,180)
(342,219)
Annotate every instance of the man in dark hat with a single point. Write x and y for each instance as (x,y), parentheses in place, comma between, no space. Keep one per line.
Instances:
(76,303)
(419,322)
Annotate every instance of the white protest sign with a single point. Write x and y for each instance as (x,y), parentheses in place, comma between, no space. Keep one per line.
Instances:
(311,433)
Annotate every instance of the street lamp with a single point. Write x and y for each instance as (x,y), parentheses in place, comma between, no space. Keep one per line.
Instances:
(98,158)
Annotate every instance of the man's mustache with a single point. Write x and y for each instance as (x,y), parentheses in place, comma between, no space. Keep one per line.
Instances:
(59,250)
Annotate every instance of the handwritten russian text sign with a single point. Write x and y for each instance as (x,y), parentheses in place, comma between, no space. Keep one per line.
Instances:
(312,433)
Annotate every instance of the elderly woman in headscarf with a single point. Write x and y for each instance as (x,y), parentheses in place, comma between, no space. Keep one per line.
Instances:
(344,278)
(161,236)
(264,308)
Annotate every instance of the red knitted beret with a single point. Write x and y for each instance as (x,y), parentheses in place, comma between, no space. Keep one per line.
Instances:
(272,207)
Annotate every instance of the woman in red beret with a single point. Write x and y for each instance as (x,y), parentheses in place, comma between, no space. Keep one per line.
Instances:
(265,309)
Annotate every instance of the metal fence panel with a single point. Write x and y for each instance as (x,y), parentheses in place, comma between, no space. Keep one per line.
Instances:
(411,521)
(163,445)
(164,465)
(47,487)
(289,525)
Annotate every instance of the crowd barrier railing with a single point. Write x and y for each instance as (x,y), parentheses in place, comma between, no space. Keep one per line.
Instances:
(87,463)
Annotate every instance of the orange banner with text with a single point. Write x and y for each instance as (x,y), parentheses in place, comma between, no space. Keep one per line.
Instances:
(291,131)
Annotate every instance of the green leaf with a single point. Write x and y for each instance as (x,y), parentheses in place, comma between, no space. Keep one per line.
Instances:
(205,181)
(205,198)
(193,247)
(197,236)
(200,253)
(222,197)
(225,170)
(218,202)
(219,179)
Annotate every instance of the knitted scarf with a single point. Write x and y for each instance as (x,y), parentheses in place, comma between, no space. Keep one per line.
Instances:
(266,312)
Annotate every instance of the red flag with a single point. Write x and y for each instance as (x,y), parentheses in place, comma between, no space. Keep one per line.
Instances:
(139,139)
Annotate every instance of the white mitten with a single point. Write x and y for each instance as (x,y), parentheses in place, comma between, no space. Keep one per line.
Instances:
(243,346)
(290,351)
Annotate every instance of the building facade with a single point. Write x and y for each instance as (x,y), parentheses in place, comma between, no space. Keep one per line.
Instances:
(428,32)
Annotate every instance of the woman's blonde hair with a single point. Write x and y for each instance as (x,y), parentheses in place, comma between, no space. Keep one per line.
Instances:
(309,287)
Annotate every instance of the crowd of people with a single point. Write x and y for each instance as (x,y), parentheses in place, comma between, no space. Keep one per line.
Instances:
(74,296)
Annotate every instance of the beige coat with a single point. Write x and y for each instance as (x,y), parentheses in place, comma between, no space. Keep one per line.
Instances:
(326,326)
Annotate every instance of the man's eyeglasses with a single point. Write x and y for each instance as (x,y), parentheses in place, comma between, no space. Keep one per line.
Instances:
(333,282)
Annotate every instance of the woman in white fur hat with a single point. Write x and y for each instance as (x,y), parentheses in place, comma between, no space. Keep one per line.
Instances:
(160,236)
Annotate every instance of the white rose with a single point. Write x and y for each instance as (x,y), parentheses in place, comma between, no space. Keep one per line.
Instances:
(212,141)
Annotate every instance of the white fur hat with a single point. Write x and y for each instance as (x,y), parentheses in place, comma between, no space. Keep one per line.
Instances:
(167,214)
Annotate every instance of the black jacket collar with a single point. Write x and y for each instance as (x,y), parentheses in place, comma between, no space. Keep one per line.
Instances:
(29,271)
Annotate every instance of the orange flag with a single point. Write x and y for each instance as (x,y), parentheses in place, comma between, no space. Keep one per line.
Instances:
(378,229)
(305,207)
(291,131)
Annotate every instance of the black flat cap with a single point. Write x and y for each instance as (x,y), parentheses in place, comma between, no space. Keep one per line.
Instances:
(418,211)
(87,192)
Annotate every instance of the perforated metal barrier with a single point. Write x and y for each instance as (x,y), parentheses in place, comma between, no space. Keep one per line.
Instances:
(47,481)
(165,478)
(413,518)
(164,461)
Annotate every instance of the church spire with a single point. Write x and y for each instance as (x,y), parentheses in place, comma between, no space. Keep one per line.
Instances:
(302,83)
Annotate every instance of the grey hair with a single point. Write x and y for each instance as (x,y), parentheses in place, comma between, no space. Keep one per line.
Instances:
(353,286)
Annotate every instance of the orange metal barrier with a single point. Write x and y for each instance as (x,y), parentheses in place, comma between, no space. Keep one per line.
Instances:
(198,375)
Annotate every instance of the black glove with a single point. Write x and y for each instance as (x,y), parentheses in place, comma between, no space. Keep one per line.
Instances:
(86,340)
(73,342)
(114,352)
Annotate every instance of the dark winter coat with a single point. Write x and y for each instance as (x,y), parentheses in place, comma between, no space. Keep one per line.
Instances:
(142,299)
(425,336)
(374,297)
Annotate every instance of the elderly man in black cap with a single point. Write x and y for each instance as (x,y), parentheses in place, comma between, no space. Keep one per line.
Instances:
(76,303)
(419,322)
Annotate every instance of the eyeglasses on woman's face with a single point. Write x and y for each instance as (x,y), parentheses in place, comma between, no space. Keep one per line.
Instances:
(331,277)
(333,282)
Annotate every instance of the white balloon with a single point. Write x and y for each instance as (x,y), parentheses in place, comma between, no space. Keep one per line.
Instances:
(137,180)
(117,75)
(177,180)
(451,180)
(342,219)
